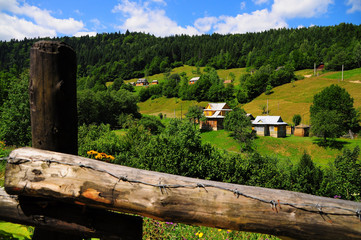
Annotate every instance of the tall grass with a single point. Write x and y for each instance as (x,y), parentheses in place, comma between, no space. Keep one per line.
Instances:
(171,107)
(296,98)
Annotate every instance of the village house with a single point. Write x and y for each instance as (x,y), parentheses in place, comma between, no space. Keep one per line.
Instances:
(154,82)
(272,126)
(215,114)
(142,82)
(194,80)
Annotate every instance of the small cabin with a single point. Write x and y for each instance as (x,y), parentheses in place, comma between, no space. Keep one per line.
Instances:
(302,130)
(142,82)
(215,114)
(193,80)
(154,82)
(272,126)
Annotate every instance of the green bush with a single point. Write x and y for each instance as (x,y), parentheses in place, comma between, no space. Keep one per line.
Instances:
(15,114)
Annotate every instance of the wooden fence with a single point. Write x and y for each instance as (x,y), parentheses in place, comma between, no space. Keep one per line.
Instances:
(70,197)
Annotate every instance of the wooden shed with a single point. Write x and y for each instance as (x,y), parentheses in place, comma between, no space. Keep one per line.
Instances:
(302,130)
(215,114)
(272,126)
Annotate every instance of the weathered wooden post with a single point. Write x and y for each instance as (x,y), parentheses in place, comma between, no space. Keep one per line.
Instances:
(53,108)
(53,97)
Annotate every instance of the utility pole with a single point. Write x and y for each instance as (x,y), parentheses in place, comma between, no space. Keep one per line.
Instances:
(342,73)
(314,69)
(181,112)
(267,106)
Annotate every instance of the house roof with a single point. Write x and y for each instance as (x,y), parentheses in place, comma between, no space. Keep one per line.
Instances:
(269,120)
(321,67)
(142,80)
(302,126)
(216,115)
(217,106)
(194,79)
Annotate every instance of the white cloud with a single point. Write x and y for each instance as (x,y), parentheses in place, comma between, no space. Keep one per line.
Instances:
(257,21)
(205,24)
(11,27)
(80,34)
(355,6)
(78,12)
(160,1)
(243,5)
(300,9)
(147,16)
(97,24)
(259,2)
(33,22)
(143,18)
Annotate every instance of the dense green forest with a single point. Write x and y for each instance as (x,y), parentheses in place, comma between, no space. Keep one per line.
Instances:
(107,57)
(274,53)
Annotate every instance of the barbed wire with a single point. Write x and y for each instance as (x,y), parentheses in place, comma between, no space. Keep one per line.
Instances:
(275,205)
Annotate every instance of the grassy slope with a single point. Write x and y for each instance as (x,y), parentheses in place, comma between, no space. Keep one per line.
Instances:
(288,100)
(290,148)
(173,107)
(176,107)
(223,74)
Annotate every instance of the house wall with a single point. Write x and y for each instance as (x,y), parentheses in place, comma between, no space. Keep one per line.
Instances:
(261,130)
(289,130)
(277,131)
(213,124)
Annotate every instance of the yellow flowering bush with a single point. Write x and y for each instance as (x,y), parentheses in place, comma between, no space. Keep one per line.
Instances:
(100,156)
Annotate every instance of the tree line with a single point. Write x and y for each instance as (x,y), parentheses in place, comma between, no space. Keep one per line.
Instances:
(108,56)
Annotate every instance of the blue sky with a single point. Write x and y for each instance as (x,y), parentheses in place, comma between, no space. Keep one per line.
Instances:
(50,18)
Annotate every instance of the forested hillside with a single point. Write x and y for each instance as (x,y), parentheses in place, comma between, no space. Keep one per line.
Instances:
(107,57)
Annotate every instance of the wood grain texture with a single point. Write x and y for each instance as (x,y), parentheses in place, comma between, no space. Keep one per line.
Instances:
(74,179)
(52,91)
(69,219)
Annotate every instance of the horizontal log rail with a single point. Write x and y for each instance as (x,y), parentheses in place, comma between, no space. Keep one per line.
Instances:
(83,181)
(70,218)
